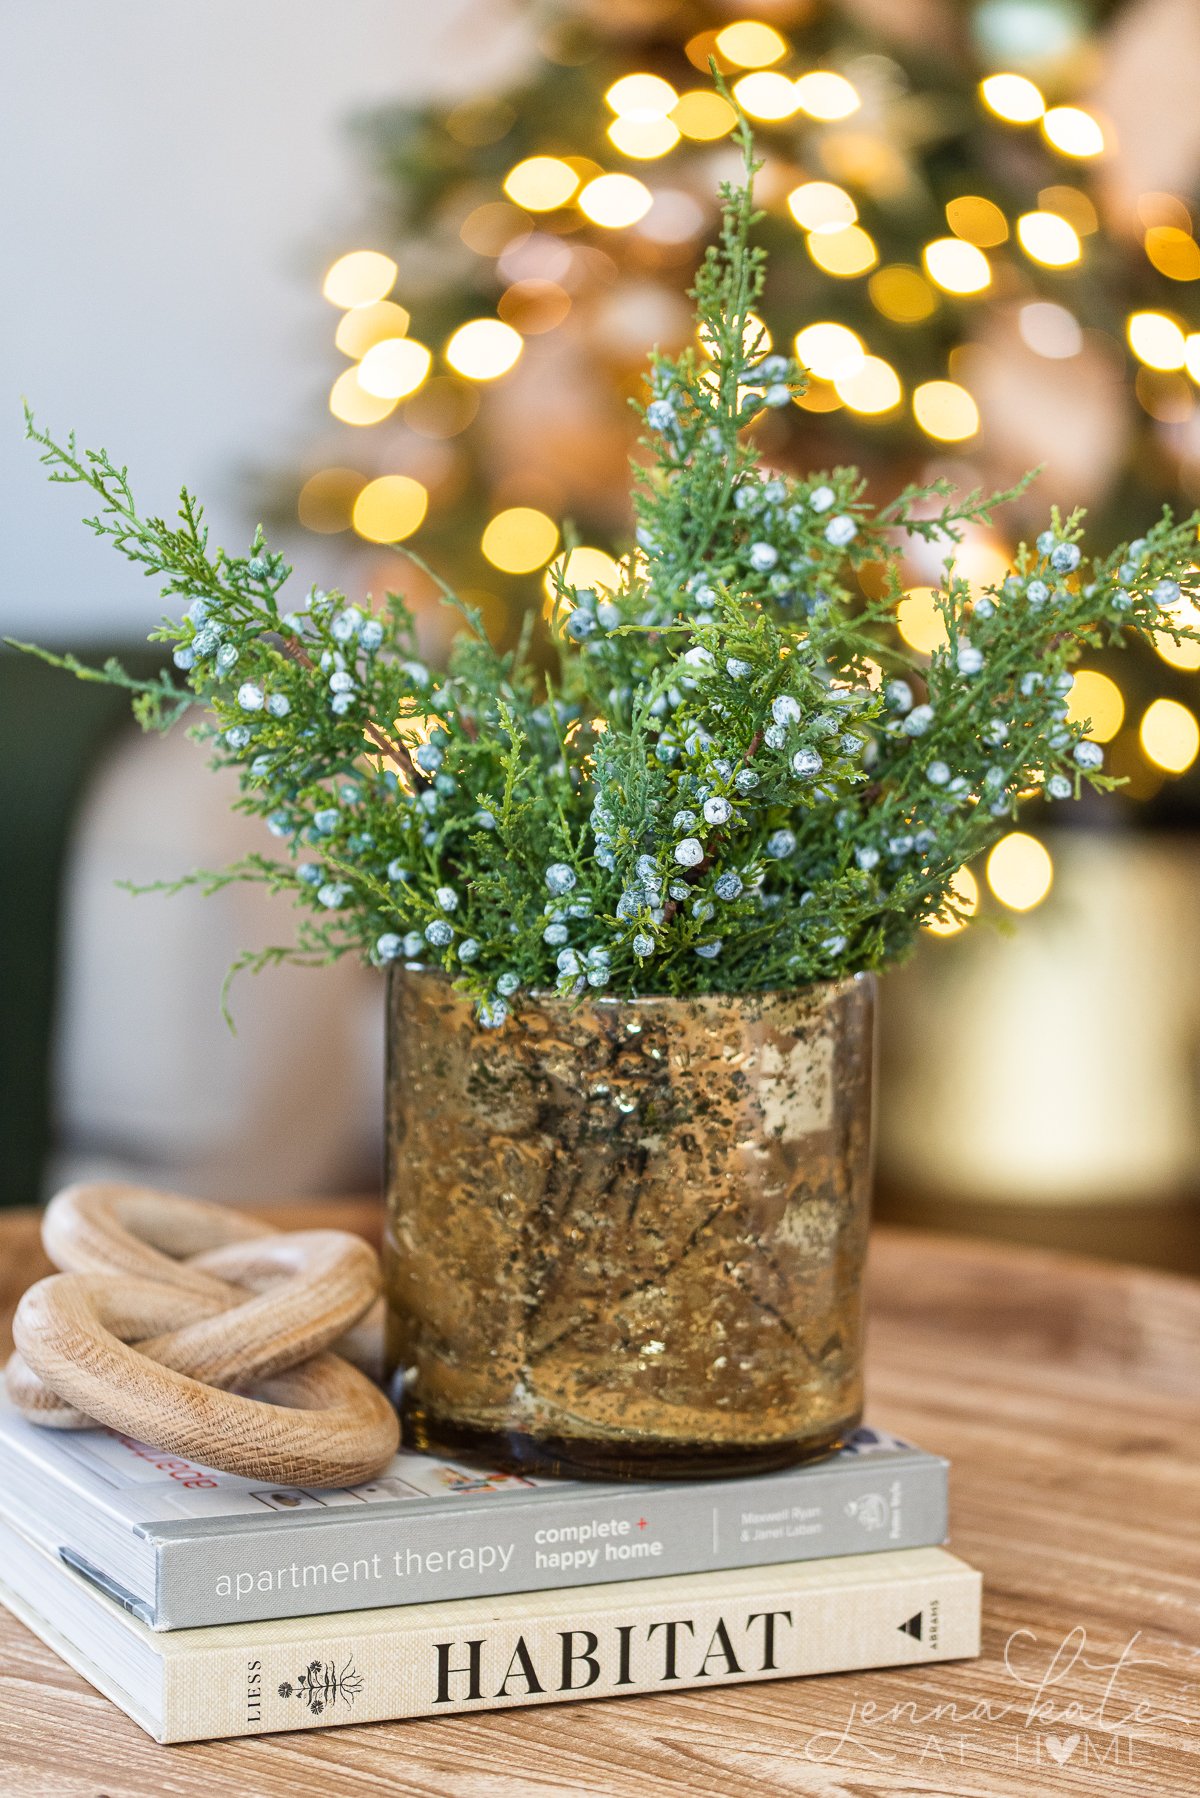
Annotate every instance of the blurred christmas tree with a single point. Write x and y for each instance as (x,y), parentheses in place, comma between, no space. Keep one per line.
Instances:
(961,254)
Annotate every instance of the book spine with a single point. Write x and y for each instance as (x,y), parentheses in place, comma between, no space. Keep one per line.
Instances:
(584,1538)
(344,1675)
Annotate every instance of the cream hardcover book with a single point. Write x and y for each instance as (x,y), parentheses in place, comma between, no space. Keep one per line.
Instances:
(895,1608)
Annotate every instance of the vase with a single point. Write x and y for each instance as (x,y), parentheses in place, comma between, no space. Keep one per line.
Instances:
(626,1237)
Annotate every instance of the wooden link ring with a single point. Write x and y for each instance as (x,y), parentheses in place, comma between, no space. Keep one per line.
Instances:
(108,1227)
(246,1304)
(330,1426)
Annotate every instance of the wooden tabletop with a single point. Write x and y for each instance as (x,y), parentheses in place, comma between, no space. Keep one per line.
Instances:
(1067,1395)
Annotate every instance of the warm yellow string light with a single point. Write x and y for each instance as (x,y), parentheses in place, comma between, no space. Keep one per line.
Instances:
(1156,340)
(1020,871)
(845,252)
(1047,238)
(957,267)
(359,277)
(751,44)
(541,183)
(1073,131)
(1170,735)
(965,890)
(615,201)
(390,508)
(519,540)
(484,349)
(1013,98)
(1096,697)
(832,351)
(945,411)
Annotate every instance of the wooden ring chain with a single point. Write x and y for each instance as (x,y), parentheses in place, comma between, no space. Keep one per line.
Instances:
(167,1304)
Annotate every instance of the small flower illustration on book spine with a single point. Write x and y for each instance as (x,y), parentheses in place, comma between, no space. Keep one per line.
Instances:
(323,1685)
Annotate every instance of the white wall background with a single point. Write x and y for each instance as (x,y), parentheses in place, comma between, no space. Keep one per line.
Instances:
(176,179)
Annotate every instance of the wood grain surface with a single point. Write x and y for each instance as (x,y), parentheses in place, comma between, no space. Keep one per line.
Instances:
(1067,1395)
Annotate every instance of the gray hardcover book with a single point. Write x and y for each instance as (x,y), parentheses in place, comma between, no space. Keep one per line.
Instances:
(183,1546)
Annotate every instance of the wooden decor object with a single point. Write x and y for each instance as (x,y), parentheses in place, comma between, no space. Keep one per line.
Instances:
(172,1311)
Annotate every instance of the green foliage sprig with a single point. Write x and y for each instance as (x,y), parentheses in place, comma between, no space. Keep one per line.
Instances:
(738,777)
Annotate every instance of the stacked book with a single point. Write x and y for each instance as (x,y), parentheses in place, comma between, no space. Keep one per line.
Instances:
(206,1605)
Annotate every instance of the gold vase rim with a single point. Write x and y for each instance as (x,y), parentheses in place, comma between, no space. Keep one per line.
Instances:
(546,997)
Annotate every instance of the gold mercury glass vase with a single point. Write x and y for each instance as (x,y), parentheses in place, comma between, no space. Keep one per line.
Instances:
(626,1237)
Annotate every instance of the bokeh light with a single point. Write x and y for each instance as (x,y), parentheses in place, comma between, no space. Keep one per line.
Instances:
(442,407)
(390,508)
(751,44)
(977,220)
(359,277)
(1073,131)
(1164,395)
(1050,330)
(519,540)
(965,890)
(981,560)
(1156,340)
(845,252)
(644,138)
(756,337)
(1184,655)
(823,95)
(819,396)
(1169,735)
(484,349)
(1020,871)
(822,206)
(326,500)
(1072,204)
(1099,698)
(945,410)
(902,294)
(1047,238)
(641,97)
(615,201)
(583,566)
(919,622)
(533,307)
(363,326)
(1163,209)
(495,227)
(832,351)
(703,115)
(1174,253)
(956,266)
(1013,98)
(767,96)
(873,388)
(676,217)
(349,401)
(394,368)
(541,183)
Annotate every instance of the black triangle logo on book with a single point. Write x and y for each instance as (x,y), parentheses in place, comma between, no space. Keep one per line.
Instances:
(914,1625)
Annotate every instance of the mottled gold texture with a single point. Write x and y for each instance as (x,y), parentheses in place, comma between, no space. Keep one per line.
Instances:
(628,1236)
